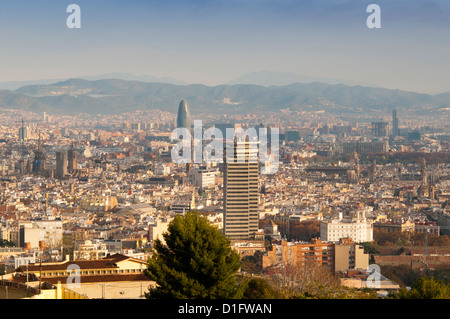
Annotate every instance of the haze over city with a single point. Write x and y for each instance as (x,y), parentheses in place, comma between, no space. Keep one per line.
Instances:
(214,42)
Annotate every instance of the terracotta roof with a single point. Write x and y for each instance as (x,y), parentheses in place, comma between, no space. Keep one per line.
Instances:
(116,258)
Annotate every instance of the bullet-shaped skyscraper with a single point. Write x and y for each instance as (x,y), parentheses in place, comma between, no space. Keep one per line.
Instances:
(183,118)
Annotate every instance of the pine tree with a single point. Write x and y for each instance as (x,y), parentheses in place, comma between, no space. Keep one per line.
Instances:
(196,262)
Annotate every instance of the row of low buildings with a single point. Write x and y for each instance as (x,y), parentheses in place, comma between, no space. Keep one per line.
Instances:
(112,277)
(335,257)
(130,190)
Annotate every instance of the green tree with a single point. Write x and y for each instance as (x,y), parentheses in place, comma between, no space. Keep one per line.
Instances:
(372,249)
(426,288)
(196,262)
(251,264)
(304,231)
(259,288)
(6,243)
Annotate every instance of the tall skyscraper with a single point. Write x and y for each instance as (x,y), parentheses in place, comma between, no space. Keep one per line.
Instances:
(241,179)
(72,160)
(61,164)
(379,129)
(395,131)
(183,118)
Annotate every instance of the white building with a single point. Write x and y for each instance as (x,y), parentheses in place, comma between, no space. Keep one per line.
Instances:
(355,226)
(161,170)
(202,177)
(24,260)
(89,249)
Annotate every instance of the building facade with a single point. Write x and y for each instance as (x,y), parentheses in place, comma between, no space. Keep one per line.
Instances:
(365,147)
(202,177)
(349,255)
(241,191)
(354,226)
(61,164)
(302,254)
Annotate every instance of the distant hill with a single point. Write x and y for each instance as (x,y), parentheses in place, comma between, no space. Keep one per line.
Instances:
(112,96)
(443,96)
(133,77)
(14,85)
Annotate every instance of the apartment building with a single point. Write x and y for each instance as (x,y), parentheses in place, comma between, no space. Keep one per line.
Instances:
(203,177)
(395,226)
(350,255)
(353,225)
(31,233)
(365,147)
(89,249)
(249,248)
(317,252)
(113,277)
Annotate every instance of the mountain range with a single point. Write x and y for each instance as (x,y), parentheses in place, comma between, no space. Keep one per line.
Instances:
(13,85)
(113,96)
(270,78)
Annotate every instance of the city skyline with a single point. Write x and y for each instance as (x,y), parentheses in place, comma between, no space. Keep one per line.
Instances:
(214,42)
(214,149)
(83,190)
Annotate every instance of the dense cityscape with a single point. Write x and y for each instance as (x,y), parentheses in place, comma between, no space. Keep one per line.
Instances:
(214,158)
(97,191)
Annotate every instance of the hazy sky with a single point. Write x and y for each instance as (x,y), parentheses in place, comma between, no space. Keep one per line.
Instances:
(215,41)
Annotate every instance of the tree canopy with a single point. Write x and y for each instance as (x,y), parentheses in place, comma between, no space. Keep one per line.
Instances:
(258,288)
(195,262)
(426,288)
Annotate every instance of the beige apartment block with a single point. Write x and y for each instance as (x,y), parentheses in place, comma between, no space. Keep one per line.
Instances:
(349,255)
